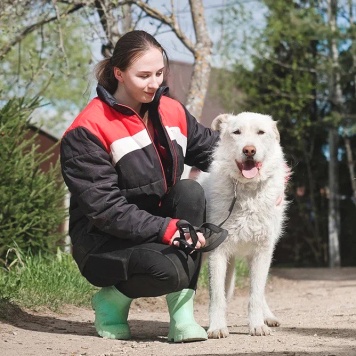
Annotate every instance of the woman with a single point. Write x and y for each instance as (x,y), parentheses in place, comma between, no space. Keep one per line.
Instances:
(122,159)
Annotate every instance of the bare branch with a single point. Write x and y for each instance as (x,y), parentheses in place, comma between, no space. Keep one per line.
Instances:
(168,20)
(61,43)
(29,29)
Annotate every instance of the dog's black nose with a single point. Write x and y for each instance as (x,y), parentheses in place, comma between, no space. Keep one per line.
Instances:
(249,151)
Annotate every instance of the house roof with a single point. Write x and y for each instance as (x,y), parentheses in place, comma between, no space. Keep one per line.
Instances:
(44,132)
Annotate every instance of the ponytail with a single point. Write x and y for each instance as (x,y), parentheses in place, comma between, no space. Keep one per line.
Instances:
(104,72)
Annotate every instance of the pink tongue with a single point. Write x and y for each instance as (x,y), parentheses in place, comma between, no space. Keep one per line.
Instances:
(249,169)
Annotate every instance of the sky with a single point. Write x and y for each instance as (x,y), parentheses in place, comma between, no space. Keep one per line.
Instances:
(171,43)
(175,49)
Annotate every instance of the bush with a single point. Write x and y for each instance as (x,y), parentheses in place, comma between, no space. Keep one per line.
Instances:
(32,201)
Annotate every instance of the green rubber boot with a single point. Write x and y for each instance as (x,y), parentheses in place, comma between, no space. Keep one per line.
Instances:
(183,327)
(111,311)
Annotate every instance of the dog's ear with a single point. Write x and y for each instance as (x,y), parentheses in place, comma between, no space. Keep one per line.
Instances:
(276,132)
(216,124)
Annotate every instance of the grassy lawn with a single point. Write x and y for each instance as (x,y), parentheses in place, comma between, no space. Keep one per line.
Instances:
(54,281)
(44,281)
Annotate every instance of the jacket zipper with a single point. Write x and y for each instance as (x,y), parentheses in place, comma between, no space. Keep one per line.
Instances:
(172,151)
(159,157)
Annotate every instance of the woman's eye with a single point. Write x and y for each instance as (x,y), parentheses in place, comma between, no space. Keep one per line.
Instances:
(237,132)
(260,132)
(158,74)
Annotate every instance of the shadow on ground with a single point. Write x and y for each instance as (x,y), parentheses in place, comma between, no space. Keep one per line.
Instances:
(317,274)
(13,315)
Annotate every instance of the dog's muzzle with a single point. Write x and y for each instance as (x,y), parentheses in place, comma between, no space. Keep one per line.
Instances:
(249,168)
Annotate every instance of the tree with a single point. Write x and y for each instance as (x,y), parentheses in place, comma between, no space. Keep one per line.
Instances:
(32,200)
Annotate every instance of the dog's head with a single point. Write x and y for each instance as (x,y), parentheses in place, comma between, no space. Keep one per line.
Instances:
(249,145)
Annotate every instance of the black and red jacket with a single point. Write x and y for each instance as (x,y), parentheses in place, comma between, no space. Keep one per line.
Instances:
(115,174)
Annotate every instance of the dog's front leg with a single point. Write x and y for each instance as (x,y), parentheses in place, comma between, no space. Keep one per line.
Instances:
(259,267)
(217,310)
(269,317)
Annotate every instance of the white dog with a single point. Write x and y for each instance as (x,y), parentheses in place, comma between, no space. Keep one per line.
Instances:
(248,165)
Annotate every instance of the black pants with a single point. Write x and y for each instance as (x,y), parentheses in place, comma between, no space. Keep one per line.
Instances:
(153,269)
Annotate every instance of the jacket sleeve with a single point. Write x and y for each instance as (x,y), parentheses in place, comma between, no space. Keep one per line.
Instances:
(92,181)
(201,142)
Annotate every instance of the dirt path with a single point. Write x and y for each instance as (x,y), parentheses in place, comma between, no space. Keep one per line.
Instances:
(317,309)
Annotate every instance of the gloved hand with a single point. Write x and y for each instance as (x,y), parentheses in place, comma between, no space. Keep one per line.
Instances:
(202,239)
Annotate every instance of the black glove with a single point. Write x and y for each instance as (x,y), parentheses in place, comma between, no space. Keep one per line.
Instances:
(214,236)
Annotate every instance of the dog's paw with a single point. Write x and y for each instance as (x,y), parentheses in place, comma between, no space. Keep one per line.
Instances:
(260,330)
(218,333)
(272,322)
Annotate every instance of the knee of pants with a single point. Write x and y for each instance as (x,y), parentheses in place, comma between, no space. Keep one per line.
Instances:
(181,270)
(158,274)
(192,191)
(189,201)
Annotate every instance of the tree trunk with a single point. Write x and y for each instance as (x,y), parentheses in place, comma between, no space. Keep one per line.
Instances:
(351,165)
(114,25)
(333,217)
(202,61)
(336,104)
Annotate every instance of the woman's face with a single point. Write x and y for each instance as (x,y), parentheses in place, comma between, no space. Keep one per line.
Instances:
(139,82)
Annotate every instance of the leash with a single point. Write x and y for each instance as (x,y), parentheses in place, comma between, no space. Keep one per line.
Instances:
(232,203)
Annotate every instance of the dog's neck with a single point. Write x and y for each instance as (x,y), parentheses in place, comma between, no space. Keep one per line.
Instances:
(238,186)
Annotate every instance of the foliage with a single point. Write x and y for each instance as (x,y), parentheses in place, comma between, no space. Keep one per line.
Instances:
(32,199)
(43,280)
(52,61)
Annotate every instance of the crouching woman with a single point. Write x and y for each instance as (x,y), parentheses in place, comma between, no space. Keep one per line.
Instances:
(122,159)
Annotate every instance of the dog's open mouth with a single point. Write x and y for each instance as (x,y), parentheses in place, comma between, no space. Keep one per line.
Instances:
(249,168)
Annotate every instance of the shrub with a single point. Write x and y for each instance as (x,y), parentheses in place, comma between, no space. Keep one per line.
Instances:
(32,201)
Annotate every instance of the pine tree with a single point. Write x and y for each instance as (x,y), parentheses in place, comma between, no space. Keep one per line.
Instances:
(32,201)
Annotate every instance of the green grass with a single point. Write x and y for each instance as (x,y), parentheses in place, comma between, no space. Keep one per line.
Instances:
(241,271)
(44,281)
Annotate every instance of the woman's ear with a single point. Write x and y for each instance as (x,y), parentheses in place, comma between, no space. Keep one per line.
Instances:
(118,74)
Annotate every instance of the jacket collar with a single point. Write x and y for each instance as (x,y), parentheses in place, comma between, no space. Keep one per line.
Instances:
(109,99)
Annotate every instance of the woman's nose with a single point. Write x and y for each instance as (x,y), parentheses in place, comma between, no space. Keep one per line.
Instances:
(153,83)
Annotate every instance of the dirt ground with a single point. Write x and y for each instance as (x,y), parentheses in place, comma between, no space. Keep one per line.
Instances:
(316,307)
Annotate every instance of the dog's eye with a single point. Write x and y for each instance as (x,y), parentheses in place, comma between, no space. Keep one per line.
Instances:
(237,132)
(260,132)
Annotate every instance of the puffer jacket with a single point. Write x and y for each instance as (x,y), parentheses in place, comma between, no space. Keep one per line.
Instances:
(114,172)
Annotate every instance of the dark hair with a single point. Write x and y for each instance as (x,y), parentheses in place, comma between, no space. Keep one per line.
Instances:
(127,49)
